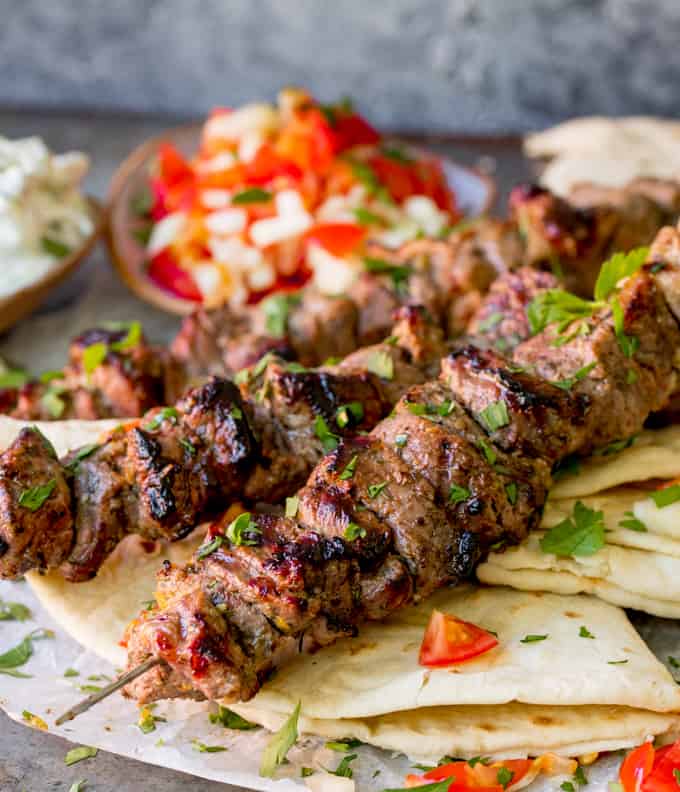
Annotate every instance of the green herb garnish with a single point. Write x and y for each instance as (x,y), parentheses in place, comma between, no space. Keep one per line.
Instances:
(348,472)
(197,745)
(276,310)
(616,662)
(489,454)
(632,523)
(13,378)
(398,273)
(380,364)
(354,531)
(251,195)
(231,720)
(166,414)
(208,549)
(243,531)
(54,247)
(280,743)
(628,344)
(34,497)
(457,494)
(511,490)
(577,376)
(495,416)
(533,638)
(344,746)
(343,770)
(619,266)
(188,446)
(376,489)
(366,217)
(584,632)
(504,776)
(349,414)
(79,754)
(329,441)
(94,355)
(14,611)
(667,496)
(582,534)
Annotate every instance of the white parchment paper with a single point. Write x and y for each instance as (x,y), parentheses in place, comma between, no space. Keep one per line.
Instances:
(112,724)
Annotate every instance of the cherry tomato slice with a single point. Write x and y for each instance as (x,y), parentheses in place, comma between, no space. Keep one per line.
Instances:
(636,767)
(663,776)
(167,273)
(339,239)
(449,640)
(172,167)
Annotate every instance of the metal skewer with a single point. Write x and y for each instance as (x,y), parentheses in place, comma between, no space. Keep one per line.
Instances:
(117,684)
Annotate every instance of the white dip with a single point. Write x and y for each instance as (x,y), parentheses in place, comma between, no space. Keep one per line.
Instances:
(43,214)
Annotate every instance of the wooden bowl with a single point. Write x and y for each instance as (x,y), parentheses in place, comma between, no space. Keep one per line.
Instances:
(23,302)
(475,192)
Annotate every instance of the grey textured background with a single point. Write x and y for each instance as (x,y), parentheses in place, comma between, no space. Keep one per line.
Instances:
(415,65)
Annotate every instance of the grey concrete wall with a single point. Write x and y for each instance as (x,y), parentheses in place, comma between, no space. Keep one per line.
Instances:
(438,65)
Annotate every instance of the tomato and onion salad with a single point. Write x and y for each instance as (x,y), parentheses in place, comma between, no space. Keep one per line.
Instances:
(277,196)
(646,769)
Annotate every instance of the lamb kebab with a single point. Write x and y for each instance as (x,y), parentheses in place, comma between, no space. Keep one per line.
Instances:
(109,375)
(161,476)
(462,464)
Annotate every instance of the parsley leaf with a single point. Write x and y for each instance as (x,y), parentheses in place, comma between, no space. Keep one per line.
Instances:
(203,748)
(14,611)
(489,454)
(533,638)
(504,776)
(349,414)
(366,217)
(79,754)
(628,344)
(632,523)
(94,355)
(206,549)
(457,494)
(34,497)
(344,746)
(54,247)
(276,312)
(251,195)
(619,266)
(577,376)
(582,534)
(354,531)
(666,496)
(398,273)
(243,531)
(555,306)
(350,467)
(376,489)
(231,720)
(584,632)
(511,490)
(166,414)
(280,743)
(343,769)
(437,786)
(329,441)
(495,416)
(129,341)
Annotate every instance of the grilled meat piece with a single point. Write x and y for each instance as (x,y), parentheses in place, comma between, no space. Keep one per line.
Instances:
(462,463)
(127,381)
(159,477)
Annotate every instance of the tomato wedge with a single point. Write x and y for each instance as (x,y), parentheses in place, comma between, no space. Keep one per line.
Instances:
(482,777)
(167,273)
(636,767)
(339,239)
(172,167)
(449,640)
(663,776)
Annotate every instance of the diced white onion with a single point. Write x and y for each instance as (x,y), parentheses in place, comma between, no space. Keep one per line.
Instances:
(228,221)
(397,236)
(208,278)
(332,275)
(215,199)
(425,212)
(326,782)
(165,232)
(235,254)
(249,145)
(289,202)
(222,161)
(276,229)
(233,126)
(261,277)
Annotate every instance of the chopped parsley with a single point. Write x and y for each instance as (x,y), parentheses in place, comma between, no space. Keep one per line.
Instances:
(14,611)
(354,531)
(398,273)
(207,549)
(280,743)
(666,496)
(243,531)
(616,268)
(71,672)
(533,638)
(34,497)
(504,776)
(577,376)
(628,344)
(632,523)
(147,720)
(584,632)
(329,441)
(348,472)
(381,364)
(166,414)
(53,402)
(495,415)
(131,338)
(343,770)
(231,720)
(305,772)
(349,414)
(631,377)
(13,378)
(489,454)
(94,355)
(366,217)
(616,662)
(673,662)
(396,153)
(567,786)
(344,746)
(511,491)
(581,534)
(251,195)
(376,489)
(80,454)
(292,504)
(616,447)
(79,754)
(276,310)
(187,445)
(54,247)
(580,776)
(457,494)
(197,745)
(555,306)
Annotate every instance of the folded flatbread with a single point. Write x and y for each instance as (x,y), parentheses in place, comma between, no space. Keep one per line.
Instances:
(639,566)
(562,693)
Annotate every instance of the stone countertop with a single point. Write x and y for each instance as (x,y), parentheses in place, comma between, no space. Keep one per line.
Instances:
(31,760)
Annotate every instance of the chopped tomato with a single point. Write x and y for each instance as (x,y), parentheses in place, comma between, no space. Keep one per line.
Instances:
(173,169)
(636,767)
(449,640)
(418,177)
(166,272)
(353,130)
(662,777)
(482,777)
(339,239)
(267,165)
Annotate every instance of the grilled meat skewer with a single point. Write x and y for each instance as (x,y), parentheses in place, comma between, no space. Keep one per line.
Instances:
(161,476)
(462,463)
(449,278)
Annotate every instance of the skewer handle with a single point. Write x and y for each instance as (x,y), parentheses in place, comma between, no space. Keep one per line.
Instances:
(117,684)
